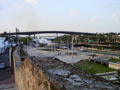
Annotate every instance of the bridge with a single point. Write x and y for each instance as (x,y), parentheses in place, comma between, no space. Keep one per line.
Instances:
(52,32)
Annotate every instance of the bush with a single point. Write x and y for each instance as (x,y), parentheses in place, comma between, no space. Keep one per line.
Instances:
(26,40)
(99,47)
(42,45)
(22,53)
(113,47)
(118,72)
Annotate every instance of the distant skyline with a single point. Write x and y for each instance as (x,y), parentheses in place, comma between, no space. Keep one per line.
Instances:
(69,15)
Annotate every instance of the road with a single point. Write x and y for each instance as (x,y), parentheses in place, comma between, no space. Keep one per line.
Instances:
(7,81)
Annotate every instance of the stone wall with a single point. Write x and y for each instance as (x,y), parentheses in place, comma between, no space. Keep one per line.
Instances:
(48,73)
(29,77)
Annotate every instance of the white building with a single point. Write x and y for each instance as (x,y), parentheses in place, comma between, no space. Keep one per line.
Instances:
(44,41)
(3,45)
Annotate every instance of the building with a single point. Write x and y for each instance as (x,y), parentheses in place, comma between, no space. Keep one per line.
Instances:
(114,65)
(3,45)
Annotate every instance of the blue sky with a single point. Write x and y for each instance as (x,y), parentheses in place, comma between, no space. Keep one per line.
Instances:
(71,15)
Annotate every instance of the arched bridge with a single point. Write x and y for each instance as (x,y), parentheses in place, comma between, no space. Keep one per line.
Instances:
(45,32)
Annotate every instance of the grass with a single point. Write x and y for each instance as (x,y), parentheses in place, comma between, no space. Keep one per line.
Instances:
(50,49)
(108,51)
(92,67)
(114,60)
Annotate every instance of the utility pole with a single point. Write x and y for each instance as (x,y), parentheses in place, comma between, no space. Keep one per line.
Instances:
(27,43)
(17,37)
(72,47)
(57,42)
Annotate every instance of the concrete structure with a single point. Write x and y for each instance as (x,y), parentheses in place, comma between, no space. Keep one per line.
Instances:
(111,76)
(43,32)
(61,55)
(3,44)
(100,60)
(48,73)
(114,65)
(71,52)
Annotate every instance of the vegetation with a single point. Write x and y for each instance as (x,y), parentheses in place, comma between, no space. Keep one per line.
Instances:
(63,38)
(100,47)
(26,40)
(99,38)
(113,47)
(102,40)
(42,45)
(118,72)
(118,75)
(92,67)
(22,52)
(15,39)
(114,60)
(4,35)
(50,49)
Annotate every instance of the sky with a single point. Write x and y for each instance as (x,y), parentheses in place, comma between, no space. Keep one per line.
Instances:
(63,15)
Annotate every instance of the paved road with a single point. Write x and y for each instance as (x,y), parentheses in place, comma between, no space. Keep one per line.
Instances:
(8,87)
(6,77)
(4,58)
(63,57)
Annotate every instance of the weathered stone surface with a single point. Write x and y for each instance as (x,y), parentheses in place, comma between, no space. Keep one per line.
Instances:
(49,73)
(29,77)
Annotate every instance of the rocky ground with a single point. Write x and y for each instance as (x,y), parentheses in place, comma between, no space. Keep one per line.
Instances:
(68,77)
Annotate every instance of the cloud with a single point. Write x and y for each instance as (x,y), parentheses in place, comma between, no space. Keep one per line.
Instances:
(1,1)
(17,6)
(28,19)
(116,17)
(113,5)
(1,6)
(74,12)
(31,1)
(93,19)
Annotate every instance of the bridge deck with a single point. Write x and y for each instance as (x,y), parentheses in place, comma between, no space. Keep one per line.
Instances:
(44,32)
